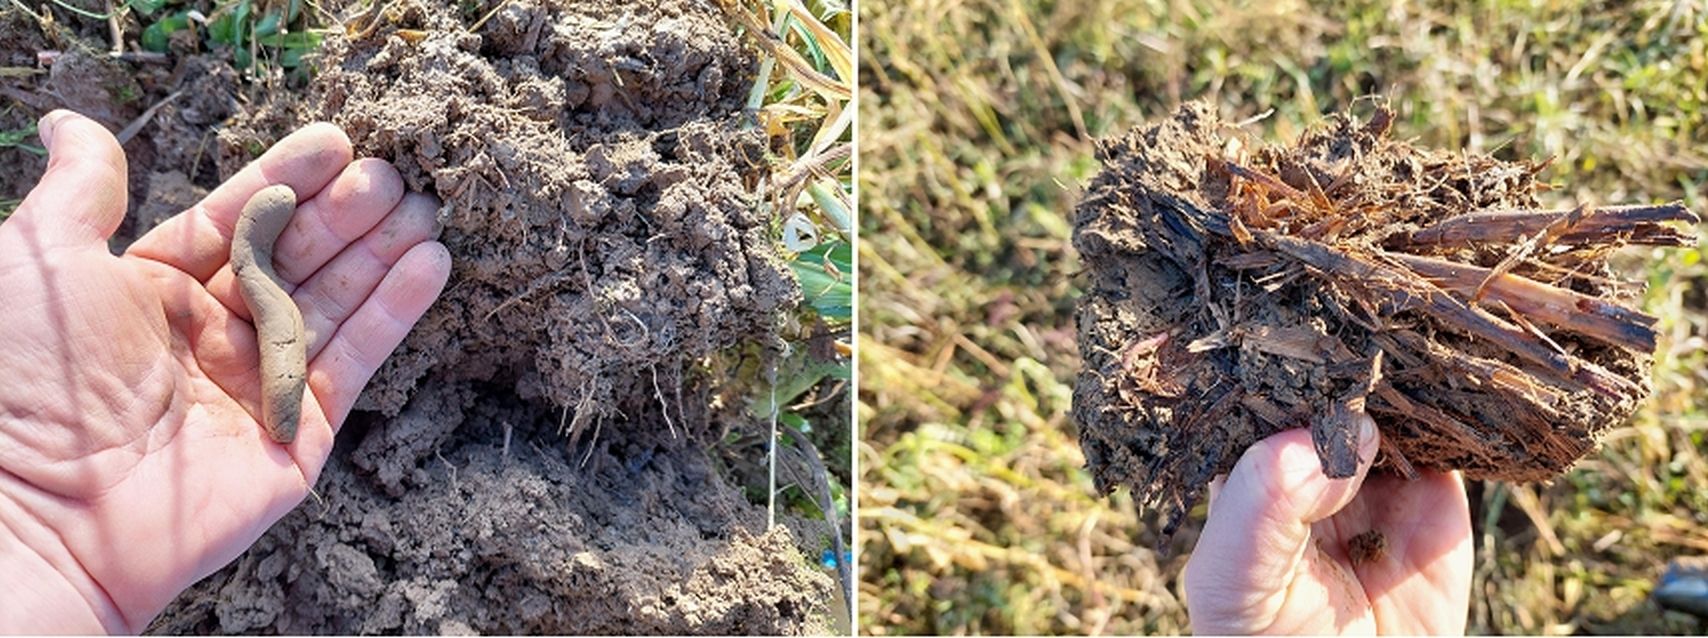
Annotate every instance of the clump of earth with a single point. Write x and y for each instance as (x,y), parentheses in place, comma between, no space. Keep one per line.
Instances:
(597,172)
(465,513)
(1236,289)
(595,168)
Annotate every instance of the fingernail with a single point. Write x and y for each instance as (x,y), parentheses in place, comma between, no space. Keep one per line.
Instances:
(1367,437)
(46,125)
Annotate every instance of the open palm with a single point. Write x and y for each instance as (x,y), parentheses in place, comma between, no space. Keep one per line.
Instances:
(131,459)
(1274,556)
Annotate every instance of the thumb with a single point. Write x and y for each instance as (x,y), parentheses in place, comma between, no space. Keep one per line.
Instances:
(82,197)
(1259,527)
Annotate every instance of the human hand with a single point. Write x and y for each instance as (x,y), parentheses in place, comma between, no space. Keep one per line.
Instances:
(131,460)
(1274,558)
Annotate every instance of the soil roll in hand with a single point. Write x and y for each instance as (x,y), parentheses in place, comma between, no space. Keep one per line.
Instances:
(278,323)
(1235,294)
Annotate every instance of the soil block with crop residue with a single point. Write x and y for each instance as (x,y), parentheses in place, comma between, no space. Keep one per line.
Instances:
(1235,292)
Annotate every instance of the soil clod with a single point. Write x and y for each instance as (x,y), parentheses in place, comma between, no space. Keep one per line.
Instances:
(540,461)
(593,160)
(1232,295)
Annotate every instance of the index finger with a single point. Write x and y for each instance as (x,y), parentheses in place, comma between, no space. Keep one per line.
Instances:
(198,241)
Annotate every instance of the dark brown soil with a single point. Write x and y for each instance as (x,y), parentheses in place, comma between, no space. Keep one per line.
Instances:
(535,456)
(1234,294)
(424,526)
(179,137)
(20,39)
(593,161)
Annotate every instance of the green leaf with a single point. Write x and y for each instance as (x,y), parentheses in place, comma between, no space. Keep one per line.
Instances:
(147,7)
(154,38)
(268,25)
(832,207)
(795,375)
(291,58)
(303,40)
(240,20)
(223,30)
(830,293)
(813,49)
(158,36)
(16,139)
(293,46)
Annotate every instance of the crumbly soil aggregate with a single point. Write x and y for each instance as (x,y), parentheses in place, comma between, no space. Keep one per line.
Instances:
(1236,289)
(425,526)
(594,165)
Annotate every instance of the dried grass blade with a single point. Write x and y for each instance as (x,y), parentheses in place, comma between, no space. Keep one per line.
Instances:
(1629,224)
(1405,289)
(1567,310)
(836,52)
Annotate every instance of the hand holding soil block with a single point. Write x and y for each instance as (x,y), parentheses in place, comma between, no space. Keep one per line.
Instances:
(1233,294)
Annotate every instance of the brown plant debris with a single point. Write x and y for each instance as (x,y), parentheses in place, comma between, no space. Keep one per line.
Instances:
(1237,293)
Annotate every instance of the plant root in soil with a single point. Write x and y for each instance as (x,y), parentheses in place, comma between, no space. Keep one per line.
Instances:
(1238,289)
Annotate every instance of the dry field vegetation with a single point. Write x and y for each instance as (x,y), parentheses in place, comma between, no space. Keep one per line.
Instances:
(976,128)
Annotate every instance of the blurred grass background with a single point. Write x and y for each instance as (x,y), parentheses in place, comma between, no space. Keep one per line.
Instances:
(975,136)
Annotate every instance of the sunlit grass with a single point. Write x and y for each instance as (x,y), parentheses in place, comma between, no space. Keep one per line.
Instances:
(975,136)
(803,102)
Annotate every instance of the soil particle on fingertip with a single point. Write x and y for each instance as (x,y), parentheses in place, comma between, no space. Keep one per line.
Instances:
(1366,548)
(1235,289)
